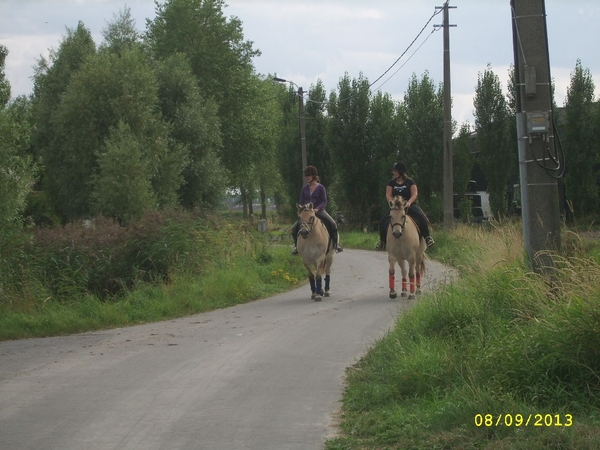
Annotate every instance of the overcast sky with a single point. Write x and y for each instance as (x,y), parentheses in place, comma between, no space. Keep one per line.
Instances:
(306,40)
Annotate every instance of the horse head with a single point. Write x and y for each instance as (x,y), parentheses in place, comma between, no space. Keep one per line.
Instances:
(397,216)
(306,219)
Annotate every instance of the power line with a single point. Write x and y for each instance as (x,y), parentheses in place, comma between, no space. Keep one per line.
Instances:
(392,66)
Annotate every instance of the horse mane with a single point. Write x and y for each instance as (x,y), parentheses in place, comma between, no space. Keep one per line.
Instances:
(307,207)
(397,202)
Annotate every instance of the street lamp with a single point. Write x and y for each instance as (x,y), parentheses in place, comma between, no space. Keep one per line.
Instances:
(301,115)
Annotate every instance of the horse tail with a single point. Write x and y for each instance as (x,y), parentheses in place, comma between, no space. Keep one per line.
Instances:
(422,266)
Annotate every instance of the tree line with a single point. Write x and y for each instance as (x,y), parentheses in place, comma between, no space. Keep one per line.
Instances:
(177,116)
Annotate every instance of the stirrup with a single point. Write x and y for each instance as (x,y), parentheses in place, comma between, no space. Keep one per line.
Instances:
(429,241)
(295,251)
(380,246)
(338,248)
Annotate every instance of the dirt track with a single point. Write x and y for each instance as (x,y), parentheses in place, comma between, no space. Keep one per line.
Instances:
(264,375)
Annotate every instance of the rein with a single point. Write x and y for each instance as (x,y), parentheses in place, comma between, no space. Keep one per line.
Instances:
(307,225)
(401,225)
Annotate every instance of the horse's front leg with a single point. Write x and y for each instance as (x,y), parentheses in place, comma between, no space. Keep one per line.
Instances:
(392,277)
(402,265)
(311,280)
(319,282)
(412,279)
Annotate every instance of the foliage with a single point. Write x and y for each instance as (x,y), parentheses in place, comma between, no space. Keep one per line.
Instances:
(497,155)
(51,80)
(99,274)
(195,125)
(221,61)
(580,140)
(122,188)
(384,137)
(355,184)
(421,148)
(501,341)
(4,84)
(121,33)
(17,169)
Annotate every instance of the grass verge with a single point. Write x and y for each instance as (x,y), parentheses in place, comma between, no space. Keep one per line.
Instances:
(182,270)
(502,359)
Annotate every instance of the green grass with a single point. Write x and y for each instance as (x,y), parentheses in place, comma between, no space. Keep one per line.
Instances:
(237,268)
(500,341)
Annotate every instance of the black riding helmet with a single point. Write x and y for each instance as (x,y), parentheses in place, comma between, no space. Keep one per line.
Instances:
(400,167)
(310,171)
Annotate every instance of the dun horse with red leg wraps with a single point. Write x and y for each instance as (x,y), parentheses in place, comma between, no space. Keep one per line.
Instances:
(404,244)
(316,250)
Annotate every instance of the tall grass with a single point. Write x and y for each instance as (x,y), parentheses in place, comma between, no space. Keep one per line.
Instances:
(502,341)
(83,277)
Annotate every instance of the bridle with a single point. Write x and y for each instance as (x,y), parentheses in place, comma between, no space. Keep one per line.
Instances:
(401,225)
(308,226)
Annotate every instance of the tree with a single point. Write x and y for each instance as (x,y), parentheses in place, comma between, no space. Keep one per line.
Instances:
(462,165)
(267,128)
(121,33)
(383,134)
(289,156)
(51,79)
(220,59)
(4,84)
(497,156)
(194,123)
(17,169)
(581,144)
(355,179)
(422,144)
(111,88)
(121,184)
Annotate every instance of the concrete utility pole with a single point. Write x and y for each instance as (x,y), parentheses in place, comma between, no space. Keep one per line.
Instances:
(301,117)
(539,188)
(448,169)
(302,130)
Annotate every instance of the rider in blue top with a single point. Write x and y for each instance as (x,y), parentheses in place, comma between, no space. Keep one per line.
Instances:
(314,192)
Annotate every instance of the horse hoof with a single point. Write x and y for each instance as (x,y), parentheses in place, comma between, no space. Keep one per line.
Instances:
(412,297)
(317,298)
(393,295)
(327,294)
(404,294)
(313,296)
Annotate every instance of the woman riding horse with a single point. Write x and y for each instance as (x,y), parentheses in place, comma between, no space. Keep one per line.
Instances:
(314,192)
(404,186)
(404,244)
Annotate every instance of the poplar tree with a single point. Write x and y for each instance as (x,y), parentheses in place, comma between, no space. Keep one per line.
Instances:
(580,141)
(497,156)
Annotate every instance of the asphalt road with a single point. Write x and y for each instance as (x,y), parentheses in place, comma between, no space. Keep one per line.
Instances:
(264,375)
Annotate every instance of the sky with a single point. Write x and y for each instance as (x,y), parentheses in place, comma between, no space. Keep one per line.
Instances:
(309,40)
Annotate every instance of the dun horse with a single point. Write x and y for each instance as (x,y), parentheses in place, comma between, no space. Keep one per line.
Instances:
(404,244)
(316,249)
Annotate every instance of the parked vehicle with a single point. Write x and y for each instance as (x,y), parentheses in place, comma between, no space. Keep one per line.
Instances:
(480,206)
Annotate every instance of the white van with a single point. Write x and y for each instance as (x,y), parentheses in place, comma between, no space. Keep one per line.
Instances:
(480,206)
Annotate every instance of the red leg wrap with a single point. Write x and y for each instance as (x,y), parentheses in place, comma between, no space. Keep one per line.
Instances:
(392,282)
(413,287)
(404,285)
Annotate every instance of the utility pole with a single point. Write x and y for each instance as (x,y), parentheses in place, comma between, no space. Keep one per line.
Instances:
(540,209)
(448,170)
(301,117)
(302,131)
